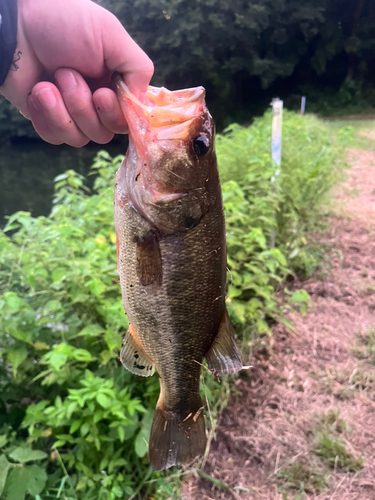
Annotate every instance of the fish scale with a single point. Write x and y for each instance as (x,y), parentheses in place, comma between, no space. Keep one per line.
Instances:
(183,309)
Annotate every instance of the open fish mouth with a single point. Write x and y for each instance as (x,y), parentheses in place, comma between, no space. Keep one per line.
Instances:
(160,112)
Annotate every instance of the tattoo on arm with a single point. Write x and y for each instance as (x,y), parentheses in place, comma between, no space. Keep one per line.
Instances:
(17,57)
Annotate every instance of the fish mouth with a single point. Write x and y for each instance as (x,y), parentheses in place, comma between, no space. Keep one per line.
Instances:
(161,113)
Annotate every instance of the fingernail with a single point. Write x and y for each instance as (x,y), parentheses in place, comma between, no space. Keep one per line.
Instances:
(66,80)
(45,97)
(104,103)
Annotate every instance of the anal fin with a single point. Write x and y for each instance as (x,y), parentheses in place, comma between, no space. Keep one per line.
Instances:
(133,357)
(223,356)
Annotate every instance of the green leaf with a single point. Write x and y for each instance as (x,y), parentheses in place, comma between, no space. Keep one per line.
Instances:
(24,455)
(31,279)
(17,482)
(42,272)
(37,480)
(60,442)
(97,287)
(141,444)
(53,305)
(16,356)
(13,301)
(58,274)
(60,177)
(300,295)
(3,440)
(91,331)
(85,429)
(82,355)
(4,467)
(57,359)
(121,433)
(141,441)
(104,400)
(75,426)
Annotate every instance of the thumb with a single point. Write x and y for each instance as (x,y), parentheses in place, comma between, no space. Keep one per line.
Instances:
(122,54)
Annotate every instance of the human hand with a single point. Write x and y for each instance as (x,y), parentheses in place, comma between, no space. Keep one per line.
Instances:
(78,45)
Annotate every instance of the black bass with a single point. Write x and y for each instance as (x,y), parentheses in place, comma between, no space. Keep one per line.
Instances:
(172,262)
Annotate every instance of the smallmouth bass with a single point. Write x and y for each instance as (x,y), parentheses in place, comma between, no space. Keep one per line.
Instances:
(171,256)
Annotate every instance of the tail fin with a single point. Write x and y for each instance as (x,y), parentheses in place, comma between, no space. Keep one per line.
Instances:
(176,438)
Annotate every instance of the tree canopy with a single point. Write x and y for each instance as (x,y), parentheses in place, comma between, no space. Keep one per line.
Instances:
(244,52)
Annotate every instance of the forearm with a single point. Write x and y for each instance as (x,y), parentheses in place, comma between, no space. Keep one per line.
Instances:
(8,36)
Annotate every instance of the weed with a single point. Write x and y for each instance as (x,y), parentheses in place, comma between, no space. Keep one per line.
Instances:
(365,345)
(345,385)
(344,393)
(334,451)
(300,477)
(332,421)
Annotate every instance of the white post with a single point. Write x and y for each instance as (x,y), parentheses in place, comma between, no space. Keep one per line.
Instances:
(277,123)
(303,104)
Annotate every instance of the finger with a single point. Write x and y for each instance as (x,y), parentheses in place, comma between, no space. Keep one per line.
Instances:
(122,54)
(79,103)
(51,118)
(109,111)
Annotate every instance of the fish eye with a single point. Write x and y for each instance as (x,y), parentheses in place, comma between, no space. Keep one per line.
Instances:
(201,145)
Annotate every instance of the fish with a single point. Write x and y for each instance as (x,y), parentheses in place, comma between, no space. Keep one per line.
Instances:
(171,255)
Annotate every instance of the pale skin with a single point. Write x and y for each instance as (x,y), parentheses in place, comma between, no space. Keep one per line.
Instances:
(69,50)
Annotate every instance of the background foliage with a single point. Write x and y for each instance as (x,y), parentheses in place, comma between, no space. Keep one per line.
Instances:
(245,53)
(73,423)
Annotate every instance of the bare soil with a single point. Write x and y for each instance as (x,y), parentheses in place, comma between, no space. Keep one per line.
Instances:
(316,379)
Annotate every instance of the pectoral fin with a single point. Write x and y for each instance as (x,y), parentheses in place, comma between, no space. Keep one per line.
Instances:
(223,356)
(149,265)
(133,357)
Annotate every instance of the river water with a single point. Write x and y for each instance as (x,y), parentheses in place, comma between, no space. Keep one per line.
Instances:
(27,170)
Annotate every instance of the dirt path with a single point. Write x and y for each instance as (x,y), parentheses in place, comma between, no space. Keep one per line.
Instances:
(303,426)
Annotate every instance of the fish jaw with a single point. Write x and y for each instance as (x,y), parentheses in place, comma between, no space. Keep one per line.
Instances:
(166,180)
(161,113)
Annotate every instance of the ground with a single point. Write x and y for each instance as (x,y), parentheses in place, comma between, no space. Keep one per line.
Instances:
(301,425)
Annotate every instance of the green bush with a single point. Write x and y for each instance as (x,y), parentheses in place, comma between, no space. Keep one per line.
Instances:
(311,165)
(65,401)
(352,97)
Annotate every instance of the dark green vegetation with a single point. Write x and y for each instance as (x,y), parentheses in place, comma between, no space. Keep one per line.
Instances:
(302,477)
(329,443)
(245,53)
(73,423)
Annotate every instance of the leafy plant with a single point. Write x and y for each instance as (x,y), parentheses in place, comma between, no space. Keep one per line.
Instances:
(17,476)
(63,393)
(332,448)
(336,453)
(299,476)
